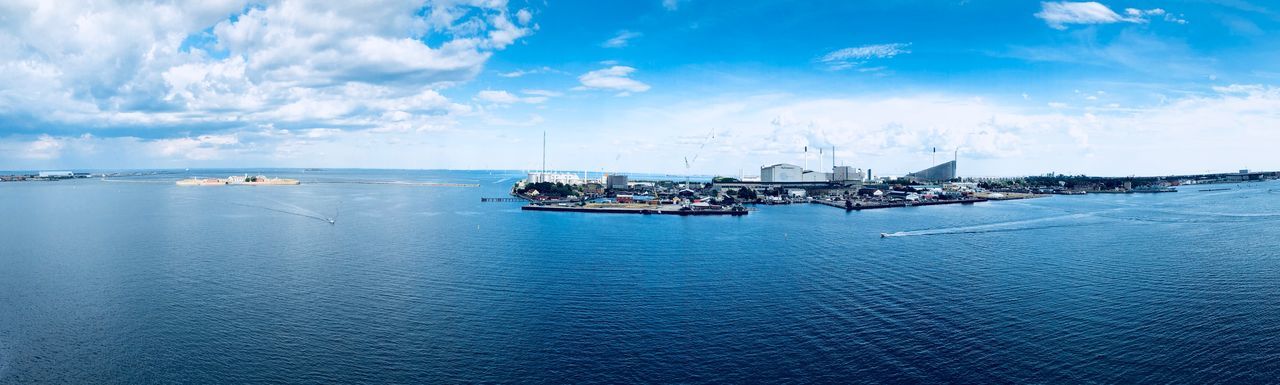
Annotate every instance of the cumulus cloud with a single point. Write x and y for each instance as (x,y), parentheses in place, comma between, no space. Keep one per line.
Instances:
(524,16)
(846,58)
(46,147)
(615,78)
(213,66)
(621,39)
(204,147)
(1062,13)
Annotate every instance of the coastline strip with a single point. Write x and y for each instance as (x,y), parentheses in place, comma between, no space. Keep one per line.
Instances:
(401,183)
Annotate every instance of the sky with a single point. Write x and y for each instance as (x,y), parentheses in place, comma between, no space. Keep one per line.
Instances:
(655,86)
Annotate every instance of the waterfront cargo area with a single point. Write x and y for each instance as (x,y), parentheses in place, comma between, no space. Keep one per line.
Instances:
(645,209)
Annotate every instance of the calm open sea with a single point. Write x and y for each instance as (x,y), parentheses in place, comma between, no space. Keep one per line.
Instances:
(141,281)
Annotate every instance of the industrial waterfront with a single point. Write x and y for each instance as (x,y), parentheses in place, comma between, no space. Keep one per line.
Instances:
(844,187)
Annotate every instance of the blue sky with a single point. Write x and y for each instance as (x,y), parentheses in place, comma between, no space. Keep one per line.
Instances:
(1016,87)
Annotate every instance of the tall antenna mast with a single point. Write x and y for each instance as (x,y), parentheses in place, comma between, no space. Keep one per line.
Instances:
(544,152)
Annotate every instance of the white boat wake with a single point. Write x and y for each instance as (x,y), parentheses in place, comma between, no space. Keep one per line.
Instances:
(1070,220)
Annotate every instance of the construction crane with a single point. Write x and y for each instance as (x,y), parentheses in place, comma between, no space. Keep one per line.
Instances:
(688,165)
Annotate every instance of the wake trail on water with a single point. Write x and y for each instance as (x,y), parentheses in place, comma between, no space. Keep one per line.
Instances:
(296,207)
(1022,225)
(1123,213)
(283,211)
(1218,214)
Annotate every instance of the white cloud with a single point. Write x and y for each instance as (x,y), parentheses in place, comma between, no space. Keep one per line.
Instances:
(216,65)
(875,51)
(671,5)
(621,39)
(504,97)
(499,97)
(46,147)
(1062,13)
(1059,14)
(546,93)
(524,16)
(1229,128)
(615,78)
(204,147)
(1222,130)
(1131,50)
(532,71)
(851,57)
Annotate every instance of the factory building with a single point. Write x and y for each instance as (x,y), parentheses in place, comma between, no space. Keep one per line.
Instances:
(814,176)
(846,174)
(941,172)
(615,182)
(787,173)
(781,172)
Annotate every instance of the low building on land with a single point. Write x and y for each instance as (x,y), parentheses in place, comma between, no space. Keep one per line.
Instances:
(56,174)
(551,177)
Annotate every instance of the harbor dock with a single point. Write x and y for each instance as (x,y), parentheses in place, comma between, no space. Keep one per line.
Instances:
(884,205)
(636,209)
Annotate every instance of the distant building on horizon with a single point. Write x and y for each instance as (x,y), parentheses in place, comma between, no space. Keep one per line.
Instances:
(55,174)
(552,177)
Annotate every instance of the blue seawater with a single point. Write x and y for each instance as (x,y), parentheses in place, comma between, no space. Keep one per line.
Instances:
(140,281)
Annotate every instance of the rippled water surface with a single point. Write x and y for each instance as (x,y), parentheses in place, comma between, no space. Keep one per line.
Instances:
(147,282)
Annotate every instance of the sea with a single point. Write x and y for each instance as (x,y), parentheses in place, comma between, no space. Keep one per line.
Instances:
(134,280)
